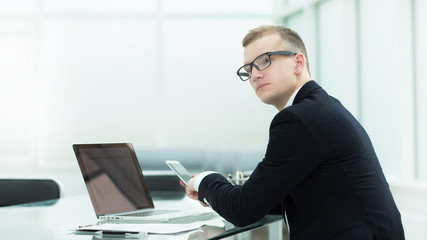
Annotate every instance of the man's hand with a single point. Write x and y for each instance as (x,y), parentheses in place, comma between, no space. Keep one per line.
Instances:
(190,191)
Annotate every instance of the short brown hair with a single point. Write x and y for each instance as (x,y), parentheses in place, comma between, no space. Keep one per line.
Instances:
(290,37)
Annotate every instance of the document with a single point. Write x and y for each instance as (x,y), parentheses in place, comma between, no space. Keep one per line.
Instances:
(160,228)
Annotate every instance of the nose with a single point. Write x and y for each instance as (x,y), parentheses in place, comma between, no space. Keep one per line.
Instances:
(256,74)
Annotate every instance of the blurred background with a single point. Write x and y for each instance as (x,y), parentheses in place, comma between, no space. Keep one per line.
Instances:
(161,75)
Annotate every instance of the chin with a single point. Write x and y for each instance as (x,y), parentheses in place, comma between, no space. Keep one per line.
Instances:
(269,100)
(266,101)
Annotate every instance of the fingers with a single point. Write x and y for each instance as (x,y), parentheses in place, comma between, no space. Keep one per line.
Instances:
(191,193)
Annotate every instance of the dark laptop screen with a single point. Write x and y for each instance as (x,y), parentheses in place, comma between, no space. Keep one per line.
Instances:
(113,177)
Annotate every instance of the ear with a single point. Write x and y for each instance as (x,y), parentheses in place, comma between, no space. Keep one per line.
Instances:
(300,63)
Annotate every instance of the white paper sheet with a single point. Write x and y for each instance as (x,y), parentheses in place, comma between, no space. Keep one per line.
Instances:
(160,228)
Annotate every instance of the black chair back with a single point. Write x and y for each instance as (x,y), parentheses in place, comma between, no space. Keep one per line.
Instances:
(20,191)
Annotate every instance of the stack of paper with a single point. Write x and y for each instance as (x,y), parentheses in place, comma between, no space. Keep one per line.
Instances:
(163,228)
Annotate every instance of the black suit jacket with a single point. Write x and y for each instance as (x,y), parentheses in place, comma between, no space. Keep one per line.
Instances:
(321,167)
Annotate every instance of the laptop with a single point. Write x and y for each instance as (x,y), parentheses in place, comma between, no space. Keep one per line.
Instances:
(116,185)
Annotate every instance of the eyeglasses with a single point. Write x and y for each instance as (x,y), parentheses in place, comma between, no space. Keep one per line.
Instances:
(261,62)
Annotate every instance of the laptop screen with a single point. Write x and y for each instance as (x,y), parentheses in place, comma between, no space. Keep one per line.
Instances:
(113,177)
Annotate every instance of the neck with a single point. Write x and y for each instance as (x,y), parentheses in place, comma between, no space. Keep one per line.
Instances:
(299,84)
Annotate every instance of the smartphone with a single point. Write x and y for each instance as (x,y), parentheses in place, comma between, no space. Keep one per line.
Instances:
(179,170)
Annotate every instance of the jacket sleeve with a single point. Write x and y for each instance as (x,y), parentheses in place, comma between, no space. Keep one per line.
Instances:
(291,156)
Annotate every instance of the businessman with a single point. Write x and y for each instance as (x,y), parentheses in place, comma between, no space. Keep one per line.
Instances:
(320,169)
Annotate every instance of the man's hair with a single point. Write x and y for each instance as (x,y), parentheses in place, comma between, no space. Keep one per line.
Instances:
(291,38)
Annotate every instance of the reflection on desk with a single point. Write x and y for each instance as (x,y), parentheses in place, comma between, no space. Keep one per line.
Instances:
(59,221)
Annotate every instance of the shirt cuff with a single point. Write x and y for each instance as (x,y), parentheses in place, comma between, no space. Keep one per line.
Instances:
(199,178)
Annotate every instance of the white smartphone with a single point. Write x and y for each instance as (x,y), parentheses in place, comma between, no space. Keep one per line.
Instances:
(179,170)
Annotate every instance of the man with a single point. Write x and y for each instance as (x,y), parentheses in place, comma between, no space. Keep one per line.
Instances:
(320,169)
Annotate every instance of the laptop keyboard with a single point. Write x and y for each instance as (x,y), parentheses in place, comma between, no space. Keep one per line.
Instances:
(150,213)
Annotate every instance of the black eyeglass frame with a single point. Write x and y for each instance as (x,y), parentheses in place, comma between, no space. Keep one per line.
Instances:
(269,54)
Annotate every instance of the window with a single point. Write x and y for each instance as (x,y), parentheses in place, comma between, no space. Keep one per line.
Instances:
(368,64)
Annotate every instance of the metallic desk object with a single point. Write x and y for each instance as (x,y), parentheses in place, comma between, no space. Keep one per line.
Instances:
(58,220)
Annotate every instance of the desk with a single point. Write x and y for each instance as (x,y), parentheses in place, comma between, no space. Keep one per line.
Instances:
(60,219)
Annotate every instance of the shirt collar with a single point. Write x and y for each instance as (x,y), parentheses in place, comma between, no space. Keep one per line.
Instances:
(291,99)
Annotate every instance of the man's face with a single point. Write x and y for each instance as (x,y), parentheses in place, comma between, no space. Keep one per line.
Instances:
(275,84)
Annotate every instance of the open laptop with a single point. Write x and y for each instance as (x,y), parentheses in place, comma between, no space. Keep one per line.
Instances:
(116,185)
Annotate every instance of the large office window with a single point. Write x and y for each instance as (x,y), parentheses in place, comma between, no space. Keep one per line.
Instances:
(17,107)
(420,51)
(162,73)
(337,51)
(157,73)
(97,80)
(387,82)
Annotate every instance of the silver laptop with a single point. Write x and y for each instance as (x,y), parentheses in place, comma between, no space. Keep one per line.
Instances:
(116,185)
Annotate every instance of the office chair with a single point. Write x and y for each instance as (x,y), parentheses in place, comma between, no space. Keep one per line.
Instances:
(20,191)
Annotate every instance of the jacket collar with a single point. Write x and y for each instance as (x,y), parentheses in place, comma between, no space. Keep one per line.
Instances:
(305,90)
